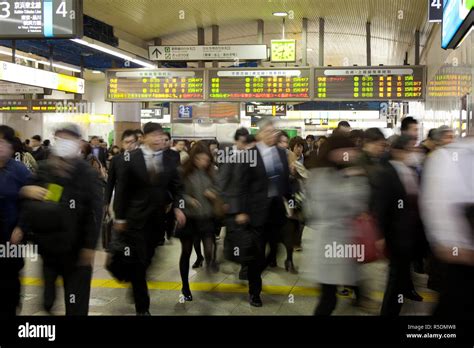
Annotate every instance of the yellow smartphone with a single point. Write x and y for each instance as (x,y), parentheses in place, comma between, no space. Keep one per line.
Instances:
(54,193)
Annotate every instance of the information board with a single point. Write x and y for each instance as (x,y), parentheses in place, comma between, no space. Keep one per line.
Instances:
(370,83)
(259,84)
(39,19)
(155,84)
(14,106)
(265,109)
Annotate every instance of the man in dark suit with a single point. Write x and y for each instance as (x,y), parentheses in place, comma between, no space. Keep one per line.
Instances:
(397,213)
(147,177)
(38,152)
(129,143)
(169,214)
(98,151)
(264,183)
(228,181)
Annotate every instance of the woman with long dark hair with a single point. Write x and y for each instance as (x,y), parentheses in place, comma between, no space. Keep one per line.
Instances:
(198,178)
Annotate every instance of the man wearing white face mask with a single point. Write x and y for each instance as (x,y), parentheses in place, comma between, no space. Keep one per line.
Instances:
(68,189)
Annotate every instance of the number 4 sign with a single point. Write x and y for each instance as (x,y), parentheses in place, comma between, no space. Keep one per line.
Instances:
(435,10)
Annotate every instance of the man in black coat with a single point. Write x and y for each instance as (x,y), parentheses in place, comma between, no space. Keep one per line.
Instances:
(63,210)
(38,152)
(264,183)
(147,177)
(397,212)
(129,142)
(98,151)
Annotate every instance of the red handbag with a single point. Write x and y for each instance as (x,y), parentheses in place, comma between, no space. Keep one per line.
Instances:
(366,233)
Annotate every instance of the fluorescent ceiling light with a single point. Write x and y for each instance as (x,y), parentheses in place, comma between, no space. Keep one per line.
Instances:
(114,52)
(280,14)
(8,52)
(309,49)
(96,72)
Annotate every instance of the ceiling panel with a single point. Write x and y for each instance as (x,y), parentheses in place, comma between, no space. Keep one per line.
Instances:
(393,23)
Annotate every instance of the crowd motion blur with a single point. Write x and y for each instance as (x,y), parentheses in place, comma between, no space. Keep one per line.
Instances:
(344,201)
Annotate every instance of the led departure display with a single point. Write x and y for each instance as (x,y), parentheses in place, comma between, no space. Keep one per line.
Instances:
(369,83)
(155,84)
(259,84)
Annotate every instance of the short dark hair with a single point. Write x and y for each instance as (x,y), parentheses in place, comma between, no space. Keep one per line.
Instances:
(241,132)
(168,135)
(401,142)
(309,136)
(431,133)
(175,141)
(129,133)
(213,142)
(138,131)
(27,141)
(283,133)
(151,127)
(373,134)
(406,122)
(46,142)
(7,133)
(343,124)
(94,137)
(296,141)
(251,138)
(36,137)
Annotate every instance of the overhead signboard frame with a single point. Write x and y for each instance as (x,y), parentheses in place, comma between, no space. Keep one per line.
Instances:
(41,19)
(254,72)
(341,73)
(41,78)
(458,20)
(207,52)
(151,84)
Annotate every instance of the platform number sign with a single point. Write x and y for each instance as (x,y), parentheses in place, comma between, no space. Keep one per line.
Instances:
(40,19)
(435,10)
(185,111)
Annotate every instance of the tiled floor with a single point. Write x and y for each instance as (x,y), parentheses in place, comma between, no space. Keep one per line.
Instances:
(221,293)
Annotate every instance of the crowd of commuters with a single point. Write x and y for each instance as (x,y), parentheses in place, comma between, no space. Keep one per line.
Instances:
(354,190)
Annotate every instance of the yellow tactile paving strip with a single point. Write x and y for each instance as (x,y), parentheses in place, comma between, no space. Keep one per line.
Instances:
(216,287)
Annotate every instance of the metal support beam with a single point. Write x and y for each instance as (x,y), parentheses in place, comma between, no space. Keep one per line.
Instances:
(367,39)
(50,57)
(321,41)
(200,35)
(13,51)
(260,31)
(304,39)
(215,41)
(417,47)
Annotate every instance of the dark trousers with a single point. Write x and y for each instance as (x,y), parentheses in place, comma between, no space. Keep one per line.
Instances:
(328,300)
(77,283)
(261,236)
(146,241)
(457,292)
(399,283)
(10,287)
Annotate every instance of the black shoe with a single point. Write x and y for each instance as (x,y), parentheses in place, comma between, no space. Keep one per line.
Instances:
(255,301)
(198,263)
(290,267)
(271,263)
(144,314)
(413,295)
(187,295)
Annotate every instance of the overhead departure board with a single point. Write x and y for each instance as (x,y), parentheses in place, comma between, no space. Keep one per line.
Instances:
(370,83)
(259,84)
(40,19)
(155,84)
